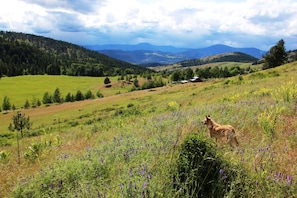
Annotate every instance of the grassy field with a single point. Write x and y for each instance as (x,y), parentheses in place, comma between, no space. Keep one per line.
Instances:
(128,143)
(21,88)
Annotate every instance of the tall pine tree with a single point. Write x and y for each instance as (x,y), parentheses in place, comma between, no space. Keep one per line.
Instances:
(276,56)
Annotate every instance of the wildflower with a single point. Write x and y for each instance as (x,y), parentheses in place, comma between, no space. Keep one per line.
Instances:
(144,185)
(221,171)
(289,180)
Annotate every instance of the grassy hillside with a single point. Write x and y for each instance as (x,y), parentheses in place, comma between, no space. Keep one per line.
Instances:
(127,144)
(226,57)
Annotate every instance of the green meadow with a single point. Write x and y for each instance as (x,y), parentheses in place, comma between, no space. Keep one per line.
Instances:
(21,88)
(139,144)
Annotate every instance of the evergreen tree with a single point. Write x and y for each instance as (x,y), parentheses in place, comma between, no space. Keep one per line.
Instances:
(20,122)
(136,82)
(57,96)
(79,96)
(6,104)
(276,56)
(47,98)
(106,81)
(89,95)
(27,104)
(68,97)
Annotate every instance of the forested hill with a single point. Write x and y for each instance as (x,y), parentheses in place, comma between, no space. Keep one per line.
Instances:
(22,53)
(226,57)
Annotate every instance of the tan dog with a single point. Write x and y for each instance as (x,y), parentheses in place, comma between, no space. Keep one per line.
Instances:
(220,131)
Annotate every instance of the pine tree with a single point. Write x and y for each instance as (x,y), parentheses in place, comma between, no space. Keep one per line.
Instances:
(6,104)
(276,56)
(20,122)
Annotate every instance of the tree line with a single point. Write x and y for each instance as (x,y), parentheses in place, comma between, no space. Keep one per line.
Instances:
(49,98)
(210,72)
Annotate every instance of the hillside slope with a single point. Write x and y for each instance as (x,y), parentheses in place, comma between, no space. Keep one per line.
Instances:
(131,141)
(225,57)
(30,54)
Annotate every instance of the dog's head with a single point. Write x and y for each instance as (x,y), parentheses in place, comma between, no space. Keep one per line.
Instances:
(206,120)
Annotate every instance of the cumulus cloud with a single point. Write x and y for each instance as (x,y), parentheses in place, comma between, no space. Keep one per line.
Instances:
(187,23)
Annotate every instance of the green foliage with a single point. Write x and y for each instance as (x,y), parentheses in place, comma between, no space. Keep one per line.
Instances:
(221,72)
(136,82)
(27,104)
(20,122)
(6,104)
(286,93)
(276,56)
(99,94)
(203,172)
(176,75)
(57,96)
(4,156)
(34,151)
(47,98)
(69,97)
(79,96)
(153,84)
(268,119)
(131,110)
(107,81)
(89,95)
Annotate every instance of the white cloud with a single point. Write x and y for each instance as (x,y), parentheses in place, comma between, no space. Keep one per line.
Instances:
(187,23)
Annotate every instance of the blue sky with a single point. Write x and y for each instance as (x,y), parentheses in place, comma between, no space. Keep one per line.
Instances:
(180,23)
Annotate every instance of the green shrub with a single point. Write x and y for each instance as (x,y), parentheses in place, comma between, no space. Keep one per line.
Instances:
(4,156)
(34,151)
(203,172)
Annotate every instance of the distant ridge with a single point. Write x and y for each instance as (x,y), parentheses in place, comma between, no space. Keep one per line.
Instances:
(145,53)
(225,57)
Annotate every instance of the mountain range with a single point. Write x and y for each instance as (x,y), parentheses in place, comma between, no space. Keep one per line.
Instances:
(146,54)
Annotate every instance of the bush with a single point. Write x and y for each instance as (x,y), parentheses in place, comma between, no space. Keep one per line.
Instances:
(4,156)
(203,172)
(99,94)
(89,95)
(34,151)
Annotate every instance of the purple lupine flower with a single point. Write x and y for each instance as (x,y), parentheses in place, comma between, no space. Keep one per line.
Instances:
(144,185)
(289,180)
